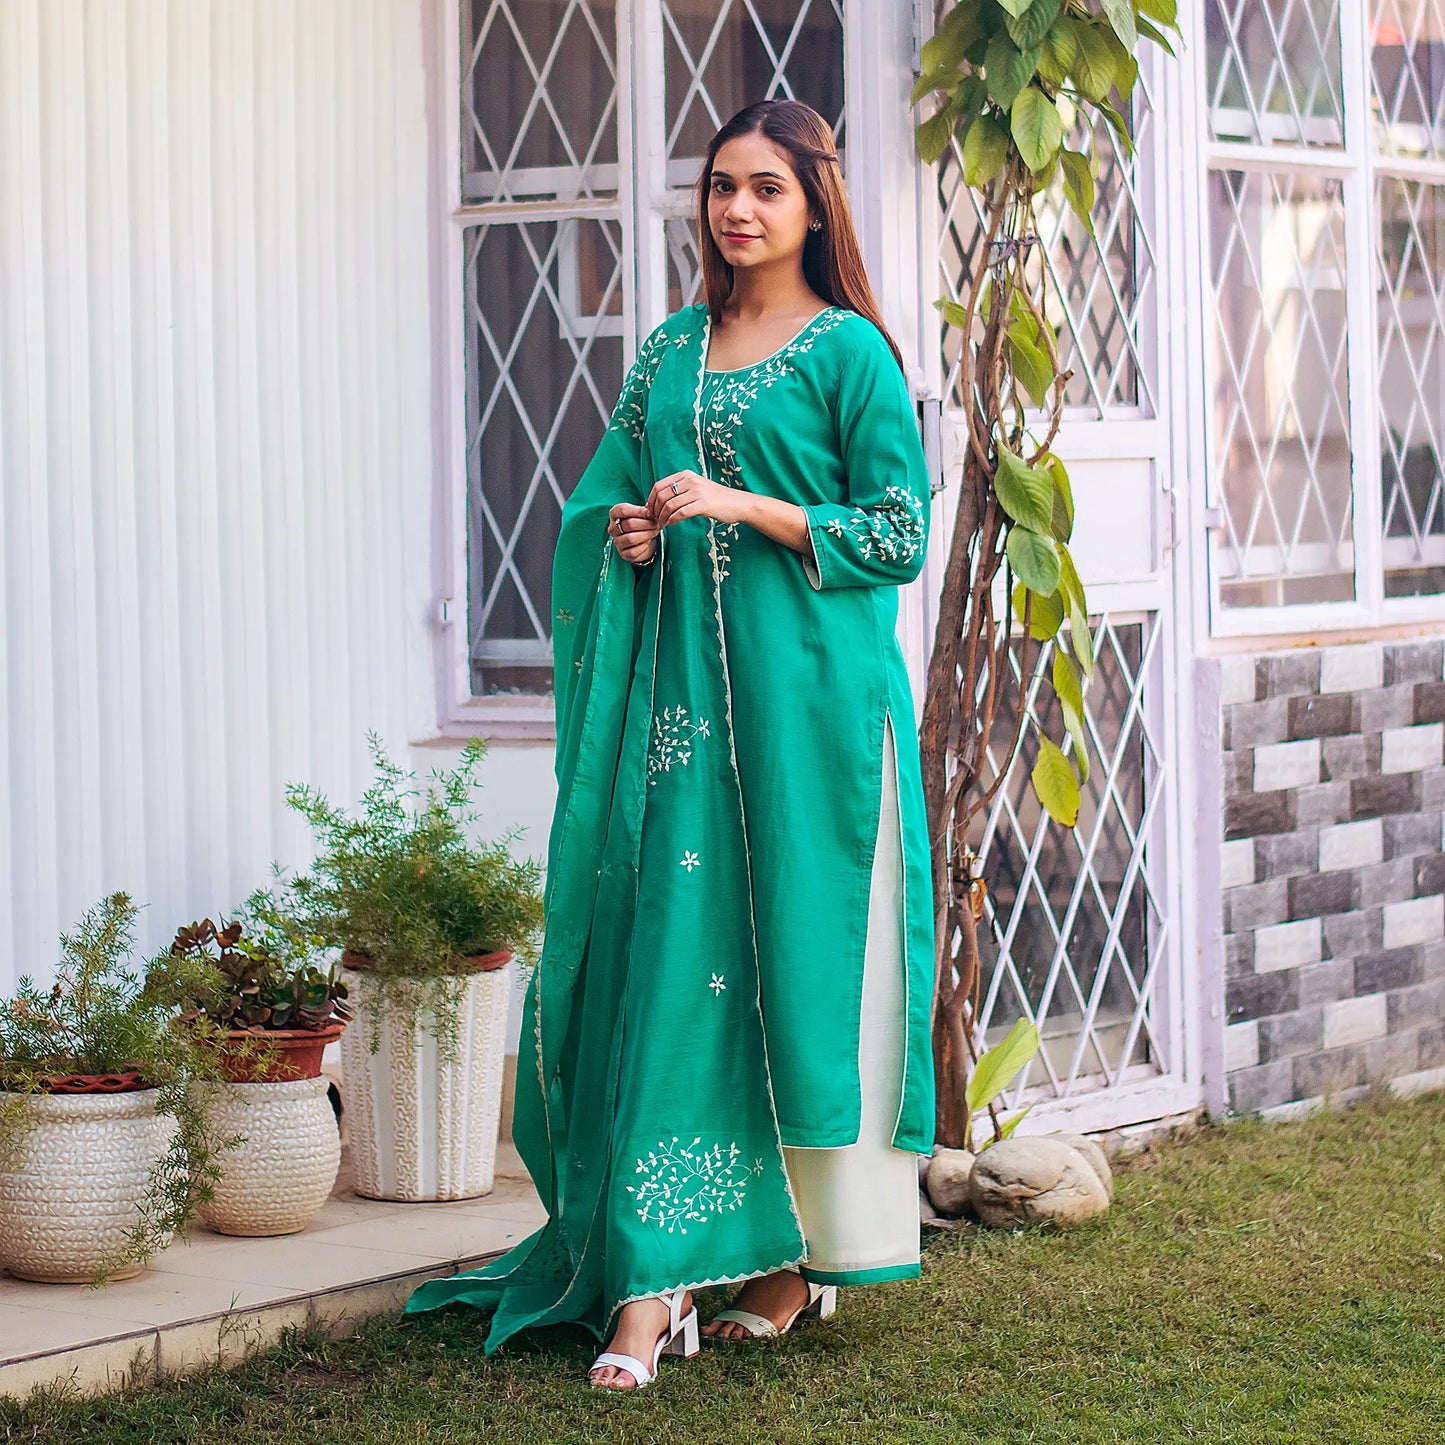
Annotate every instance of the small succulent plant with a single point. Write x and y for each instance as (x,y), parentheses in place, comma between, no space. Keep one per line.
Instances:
(250,974)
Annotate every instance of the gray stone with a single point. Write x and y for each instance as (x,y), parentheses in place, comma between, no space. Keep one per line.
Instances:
(1093,1151)
(1034,1179)
(947,1180)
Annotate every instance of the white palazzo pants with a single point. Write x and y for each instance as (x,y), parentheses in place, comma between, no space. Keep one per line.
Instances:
(859,1204)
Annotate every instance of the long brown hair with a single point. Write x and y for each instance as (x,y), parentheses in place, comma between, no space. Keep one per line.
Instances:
(832,260)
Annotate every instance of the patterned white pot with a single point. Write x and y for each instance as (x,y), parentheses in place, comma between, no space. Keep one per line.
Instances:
(285,1168)
(419,1128)
(73,1189)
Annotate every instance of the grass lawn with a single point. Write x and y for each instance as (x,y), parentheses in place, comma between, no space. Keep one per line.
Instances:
(1255,1282)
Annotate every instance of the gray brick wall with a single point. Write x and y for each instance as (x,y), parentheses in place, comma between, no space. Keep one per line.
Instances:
(1333,871)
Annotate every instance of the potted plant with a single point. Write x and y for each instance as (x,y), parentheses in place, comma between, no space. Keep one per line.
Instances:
(250,993)
(104,1155)
(429,922)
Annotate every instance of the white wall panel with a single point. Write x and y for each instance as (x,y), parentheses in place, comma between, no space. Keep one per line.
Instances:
(217,470)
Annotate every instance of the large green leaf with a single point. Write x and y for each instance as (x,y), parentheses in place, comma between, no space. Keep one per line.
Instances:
(1055,784)
(961,27)
(954,312)
(1007,69)
(1080,638)
(1038,128)
(1152,32)
(1028,360)
(1165,12)
(1058,50)
(934,134)
(998,1065)
(1120,127)
(1093,68)
(1070,694)
(1061,525)
(1121,20)
(985,149)
(1079,185)
(1034,558)
(1027,29)
(942,77)
(1046,615)
(1026,493)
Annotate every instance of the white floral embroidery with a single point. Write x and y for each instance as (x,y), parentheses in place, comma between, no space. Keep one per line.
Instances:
(673,732)
(723,534)
(630,413)
(733,392)
(689,861)
(892,532)
(688,1185)
(717,985)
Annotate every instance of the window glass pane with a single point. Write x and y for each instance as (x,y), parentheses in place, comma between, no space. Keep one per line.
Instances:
(1100,286)
(1274,71)
(1407,70)
(1410,309)
(544,366)
(720,55)
(1281,416)
(684,265)
(539,98)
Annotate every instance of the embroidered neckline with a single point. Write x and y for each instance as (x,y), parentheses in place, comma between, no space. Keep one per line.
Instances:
(787,346)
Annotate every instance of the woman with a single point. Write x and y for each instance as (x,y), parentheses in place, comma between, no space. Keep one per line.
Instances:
(725,1071)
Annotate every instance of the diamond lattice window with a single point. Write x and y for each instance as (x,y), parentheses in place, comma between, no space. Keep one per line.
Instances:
(1075,921)
(1101,287)
(538,98)
(542,377)
(720,55)
(1281,405)
(1407,76)
(1274,71)
(1410,308)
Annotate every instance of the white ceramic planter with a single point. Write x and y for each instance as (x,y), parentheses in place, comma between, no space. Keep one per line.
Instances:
(285,1169)
(418,1128)
(74,1188)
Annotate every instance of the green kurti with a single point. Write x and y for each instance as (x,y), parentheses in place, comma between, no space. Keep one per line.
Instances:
(720,743)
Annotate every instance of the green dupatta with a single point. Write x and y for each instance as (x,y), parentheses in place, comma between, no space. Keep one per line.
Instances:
(669,1171)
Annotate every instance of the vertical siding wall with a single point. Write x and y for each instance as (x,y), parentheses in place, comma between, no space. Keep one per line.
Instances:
(216,460)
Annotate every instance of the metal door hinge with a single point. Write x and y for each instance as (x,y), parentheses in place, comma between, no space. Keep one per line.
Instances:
(1214,519)
(922,29)
(444,612)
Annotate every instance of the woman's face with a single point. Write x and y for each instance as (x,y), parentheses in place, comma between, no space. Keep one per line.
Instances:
(756,208)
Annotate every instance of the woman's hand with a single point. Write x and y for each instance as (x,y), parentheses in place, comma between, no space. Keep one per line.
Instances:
(633,532)
(696,496)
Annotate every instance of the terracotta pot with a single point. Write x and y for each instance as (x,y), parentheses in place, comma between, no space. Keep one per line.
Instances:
(298,1054)
(475,963)
(125,1081)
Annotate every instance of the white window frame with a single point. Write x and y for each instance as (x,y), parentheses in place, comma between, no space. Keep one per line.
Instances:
(1357,166)
(878,121)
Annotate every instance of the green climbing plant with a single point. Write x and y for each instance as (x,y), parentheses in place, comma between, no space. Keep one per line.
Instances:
(1009,81)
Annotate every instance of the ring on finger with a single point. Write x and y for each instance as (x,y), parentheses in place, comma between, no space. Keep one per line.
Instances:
(674,489)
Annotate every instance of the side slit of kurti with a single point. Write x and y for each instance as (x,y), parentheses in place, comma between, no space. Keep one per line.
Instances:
(859,1203)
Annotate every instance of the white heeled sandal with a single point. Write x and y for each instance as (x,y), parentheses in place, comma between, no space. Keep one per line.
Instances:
(822,1301)
(679,1338)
